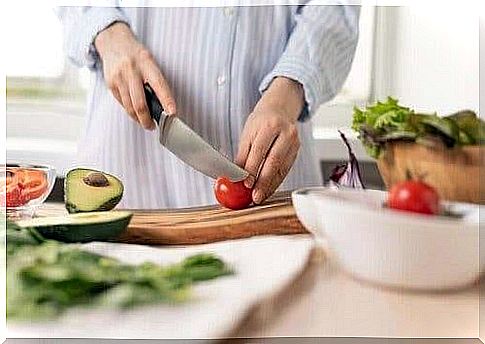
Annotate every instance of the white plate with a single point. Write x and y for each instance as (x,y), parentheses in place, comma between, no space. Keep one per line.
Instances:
(263,266)
(393,247)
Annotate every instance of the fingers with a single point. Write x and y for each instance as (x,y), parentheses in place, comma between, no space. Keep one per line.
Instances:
(242,156)
(137,94)
(271,178)
(276,166)
(124,94)
(243,150)
(116,94)
(156,80)
(258,150)
(125,77)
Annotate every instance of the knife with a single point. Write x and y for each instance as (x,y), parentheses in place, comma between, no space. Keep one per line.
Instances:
(188,146)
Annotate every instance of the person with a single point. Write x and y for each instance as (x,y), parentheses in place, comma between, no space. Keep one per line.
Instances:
(247,79)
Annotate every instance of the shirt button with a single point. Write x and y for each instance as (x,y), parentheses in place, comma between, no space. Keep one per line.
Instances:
(221,80)
(228,11)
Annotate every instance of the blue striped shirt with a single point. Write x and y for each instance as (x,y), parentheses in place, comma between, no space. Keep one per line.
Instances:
(218,61)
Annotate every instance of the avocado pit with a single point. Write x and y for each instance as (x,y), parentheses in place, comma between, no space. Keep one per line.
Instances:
(96,179)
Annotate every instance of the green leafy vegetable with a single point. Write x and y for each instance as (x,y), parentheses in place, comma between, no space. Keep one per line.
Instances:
(472,128)
(388,121)
(46,277)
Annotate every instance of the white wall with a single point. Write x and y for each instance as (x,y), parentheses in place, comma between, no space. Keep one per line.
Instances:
(427,57)
(435,62)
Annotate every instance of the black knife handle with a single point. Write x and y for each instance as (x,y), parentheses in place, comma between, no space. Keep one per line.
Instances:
(154,106)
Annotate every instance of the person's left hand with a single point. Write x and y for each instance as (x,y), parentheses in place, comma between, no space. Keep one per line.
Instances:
(269,142)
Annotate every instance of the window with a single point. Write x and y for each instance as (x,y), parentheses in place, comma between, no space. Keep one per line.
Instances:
(45,94)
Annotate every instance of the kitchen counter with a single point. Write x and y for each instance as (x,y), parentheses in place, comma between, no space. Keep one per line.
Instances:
(324,301)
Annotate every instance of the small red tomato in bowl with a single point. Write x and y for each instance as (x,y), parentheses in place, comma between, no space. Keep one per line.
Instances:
(415,196)
(232,195)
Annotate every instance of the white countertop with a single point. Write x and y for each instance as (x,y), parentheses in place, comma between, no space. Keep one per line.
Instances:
(327,302)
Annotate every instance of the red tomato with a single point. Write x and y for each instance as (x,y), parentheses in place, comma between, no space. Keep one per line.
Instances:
(31,178)
(232,195)
(415,196)
(22,186)
(13,196)
(33,183)
(35,191)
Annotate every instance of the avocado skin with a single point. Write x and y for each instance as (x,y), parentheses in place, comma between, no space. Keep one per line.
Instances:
(81,233)
(72,208)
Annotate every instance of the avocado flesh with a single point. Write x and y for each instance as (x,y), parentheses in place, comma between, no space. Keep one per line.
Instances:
(81,197)
(83,227)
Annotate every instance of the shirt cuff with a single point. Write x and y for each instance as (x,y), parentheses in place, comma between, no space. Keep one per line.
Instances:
(301,71)
(93,21)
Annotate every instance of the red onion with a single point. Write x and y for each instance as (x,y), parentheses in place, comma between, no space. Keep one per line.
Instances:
(347,174)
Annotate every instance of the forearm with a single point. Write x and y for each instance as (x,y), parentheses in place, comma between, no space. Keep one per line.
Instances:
(81,25)
(113,38)
(319,53)
(286,95)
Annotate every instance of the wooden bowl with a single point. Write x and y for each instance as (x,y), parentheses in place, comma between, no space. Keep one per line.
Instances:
(456,173)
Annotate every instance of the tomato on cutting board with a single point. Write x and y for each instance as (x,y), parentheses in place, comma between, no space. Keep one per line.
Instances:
(232,195)
(415,196)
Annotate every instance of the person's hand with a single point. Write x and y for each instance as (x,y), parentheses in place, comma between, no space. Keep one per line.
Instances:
(269,142)
(127,64)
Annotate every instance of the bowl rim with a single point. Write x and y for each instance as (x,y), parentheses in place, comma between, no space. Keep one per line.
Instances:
(19,164)
(324,193)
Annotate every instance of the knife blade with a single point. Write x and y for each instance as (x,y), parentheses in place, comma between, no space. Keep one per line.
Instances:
(188,146)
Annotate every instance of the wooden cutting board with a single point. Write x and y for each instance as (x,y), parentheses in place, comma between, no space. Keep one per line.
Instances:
(212,223)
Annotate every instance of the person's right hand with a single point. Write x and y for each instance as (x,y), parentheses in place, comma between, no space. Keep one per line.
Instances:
(127,65)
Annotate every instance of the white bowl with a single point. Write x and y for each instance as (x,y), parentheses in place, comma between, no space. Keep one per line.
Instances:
(304,206)
(391,247)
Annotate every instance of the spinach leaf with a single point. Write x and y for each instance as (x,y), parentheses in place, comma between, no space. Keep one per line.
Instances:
(46,277)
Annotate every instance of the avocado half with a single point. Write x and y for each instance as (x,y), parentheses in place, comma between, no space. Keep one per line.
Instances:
(87,190)
(84,227)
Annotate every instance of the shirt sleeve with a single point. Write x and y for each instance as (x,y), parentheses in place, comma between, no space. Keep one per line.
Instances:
(319,52)
(81,26)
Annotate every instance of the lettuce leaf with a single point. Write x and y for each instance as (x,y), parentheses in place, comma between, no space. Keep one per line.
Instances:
(387,121)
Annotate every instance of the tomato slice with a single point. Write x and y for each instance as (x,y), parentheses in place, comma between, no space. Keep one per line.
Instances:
(21,186)
(232,195)
(33,183)
(34,192)
(11,195)
(31,178)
